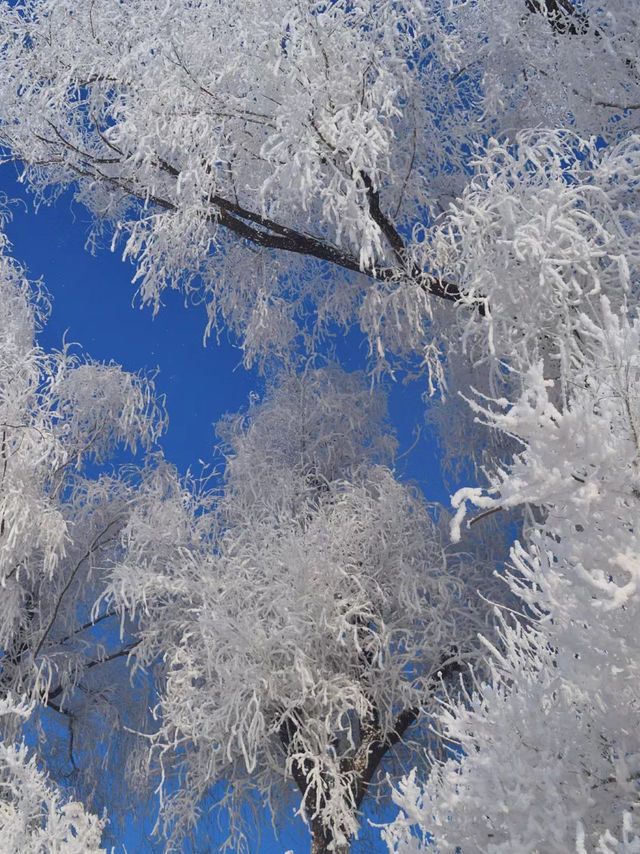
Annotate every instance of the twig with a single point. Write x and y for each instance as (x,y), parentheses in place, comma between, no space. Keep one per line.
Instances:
(484,515)
(92,548)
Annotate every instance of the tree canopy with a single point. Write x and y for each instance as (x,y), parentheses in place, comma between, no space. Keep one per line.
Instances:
(459,181)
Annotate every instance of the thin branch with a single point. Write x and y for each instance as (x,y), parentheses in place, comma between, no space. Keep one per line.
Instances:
(96,544)
(120,653)
(87,625)
(90,157)
(484,515)
(615,106)
(71,737)
(418,433)
(411,164)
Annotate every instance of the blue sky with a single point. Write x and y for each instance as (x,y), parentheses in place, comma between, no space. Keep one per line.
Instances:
(93,304)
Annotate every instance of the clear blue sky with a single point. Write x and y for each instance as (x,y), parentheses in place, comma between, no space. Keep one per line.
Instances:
(94,305)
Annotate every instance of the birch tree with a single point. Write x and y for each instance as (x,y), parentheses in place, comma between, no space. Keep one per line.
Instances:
(286,141)
(459,180)
(305,624)
(62,419)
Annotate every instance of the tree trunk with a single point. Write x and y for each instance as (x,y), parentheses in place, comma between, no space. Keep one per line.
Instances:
(321,839)
(319,845)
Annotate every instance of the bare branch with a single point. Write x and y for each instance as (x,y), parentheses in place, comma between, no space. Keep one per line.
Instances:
(95,544)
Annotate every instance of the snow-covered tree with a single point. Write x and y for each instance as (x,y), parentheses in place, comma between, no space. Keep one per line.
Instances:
(221,142)
(303,621)
(460,180)
(62,420)
(34,816)
(545,755)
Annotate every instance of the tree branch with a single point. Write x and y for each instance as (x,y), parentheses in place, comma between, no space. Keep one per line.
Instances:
(384,224)
(299,770)
(266,232)
(120,653)
(92,548)
(562,16)
(87,625)
(376,750)
(275,236)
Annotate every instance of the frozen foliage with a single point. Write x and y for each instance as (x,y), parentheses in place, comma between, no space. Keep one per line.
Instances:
(302,166)
(238,149)
(301,623)
(545,62)
(192,126)
(58,412)
(551,749)
(546,225)
(580,461)
(34,816)
(546,755)
(61,417)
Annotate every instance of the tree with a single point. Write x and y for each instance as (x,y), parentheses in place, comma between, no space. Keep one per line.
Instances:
(33,816)
(304,623)
(324,132)
(62,419)
(304,166)
(315,575)
(548,748)
(545,753)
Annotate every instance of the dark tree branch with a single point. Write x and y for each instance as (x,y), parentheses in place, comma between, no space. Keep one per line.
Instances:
(384,224)
(562,16)
(268,233)
(299,770)
(120,653)
(96,544)
(275,236)
(431,284)
(376,747)
(376,750)
(86,625)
